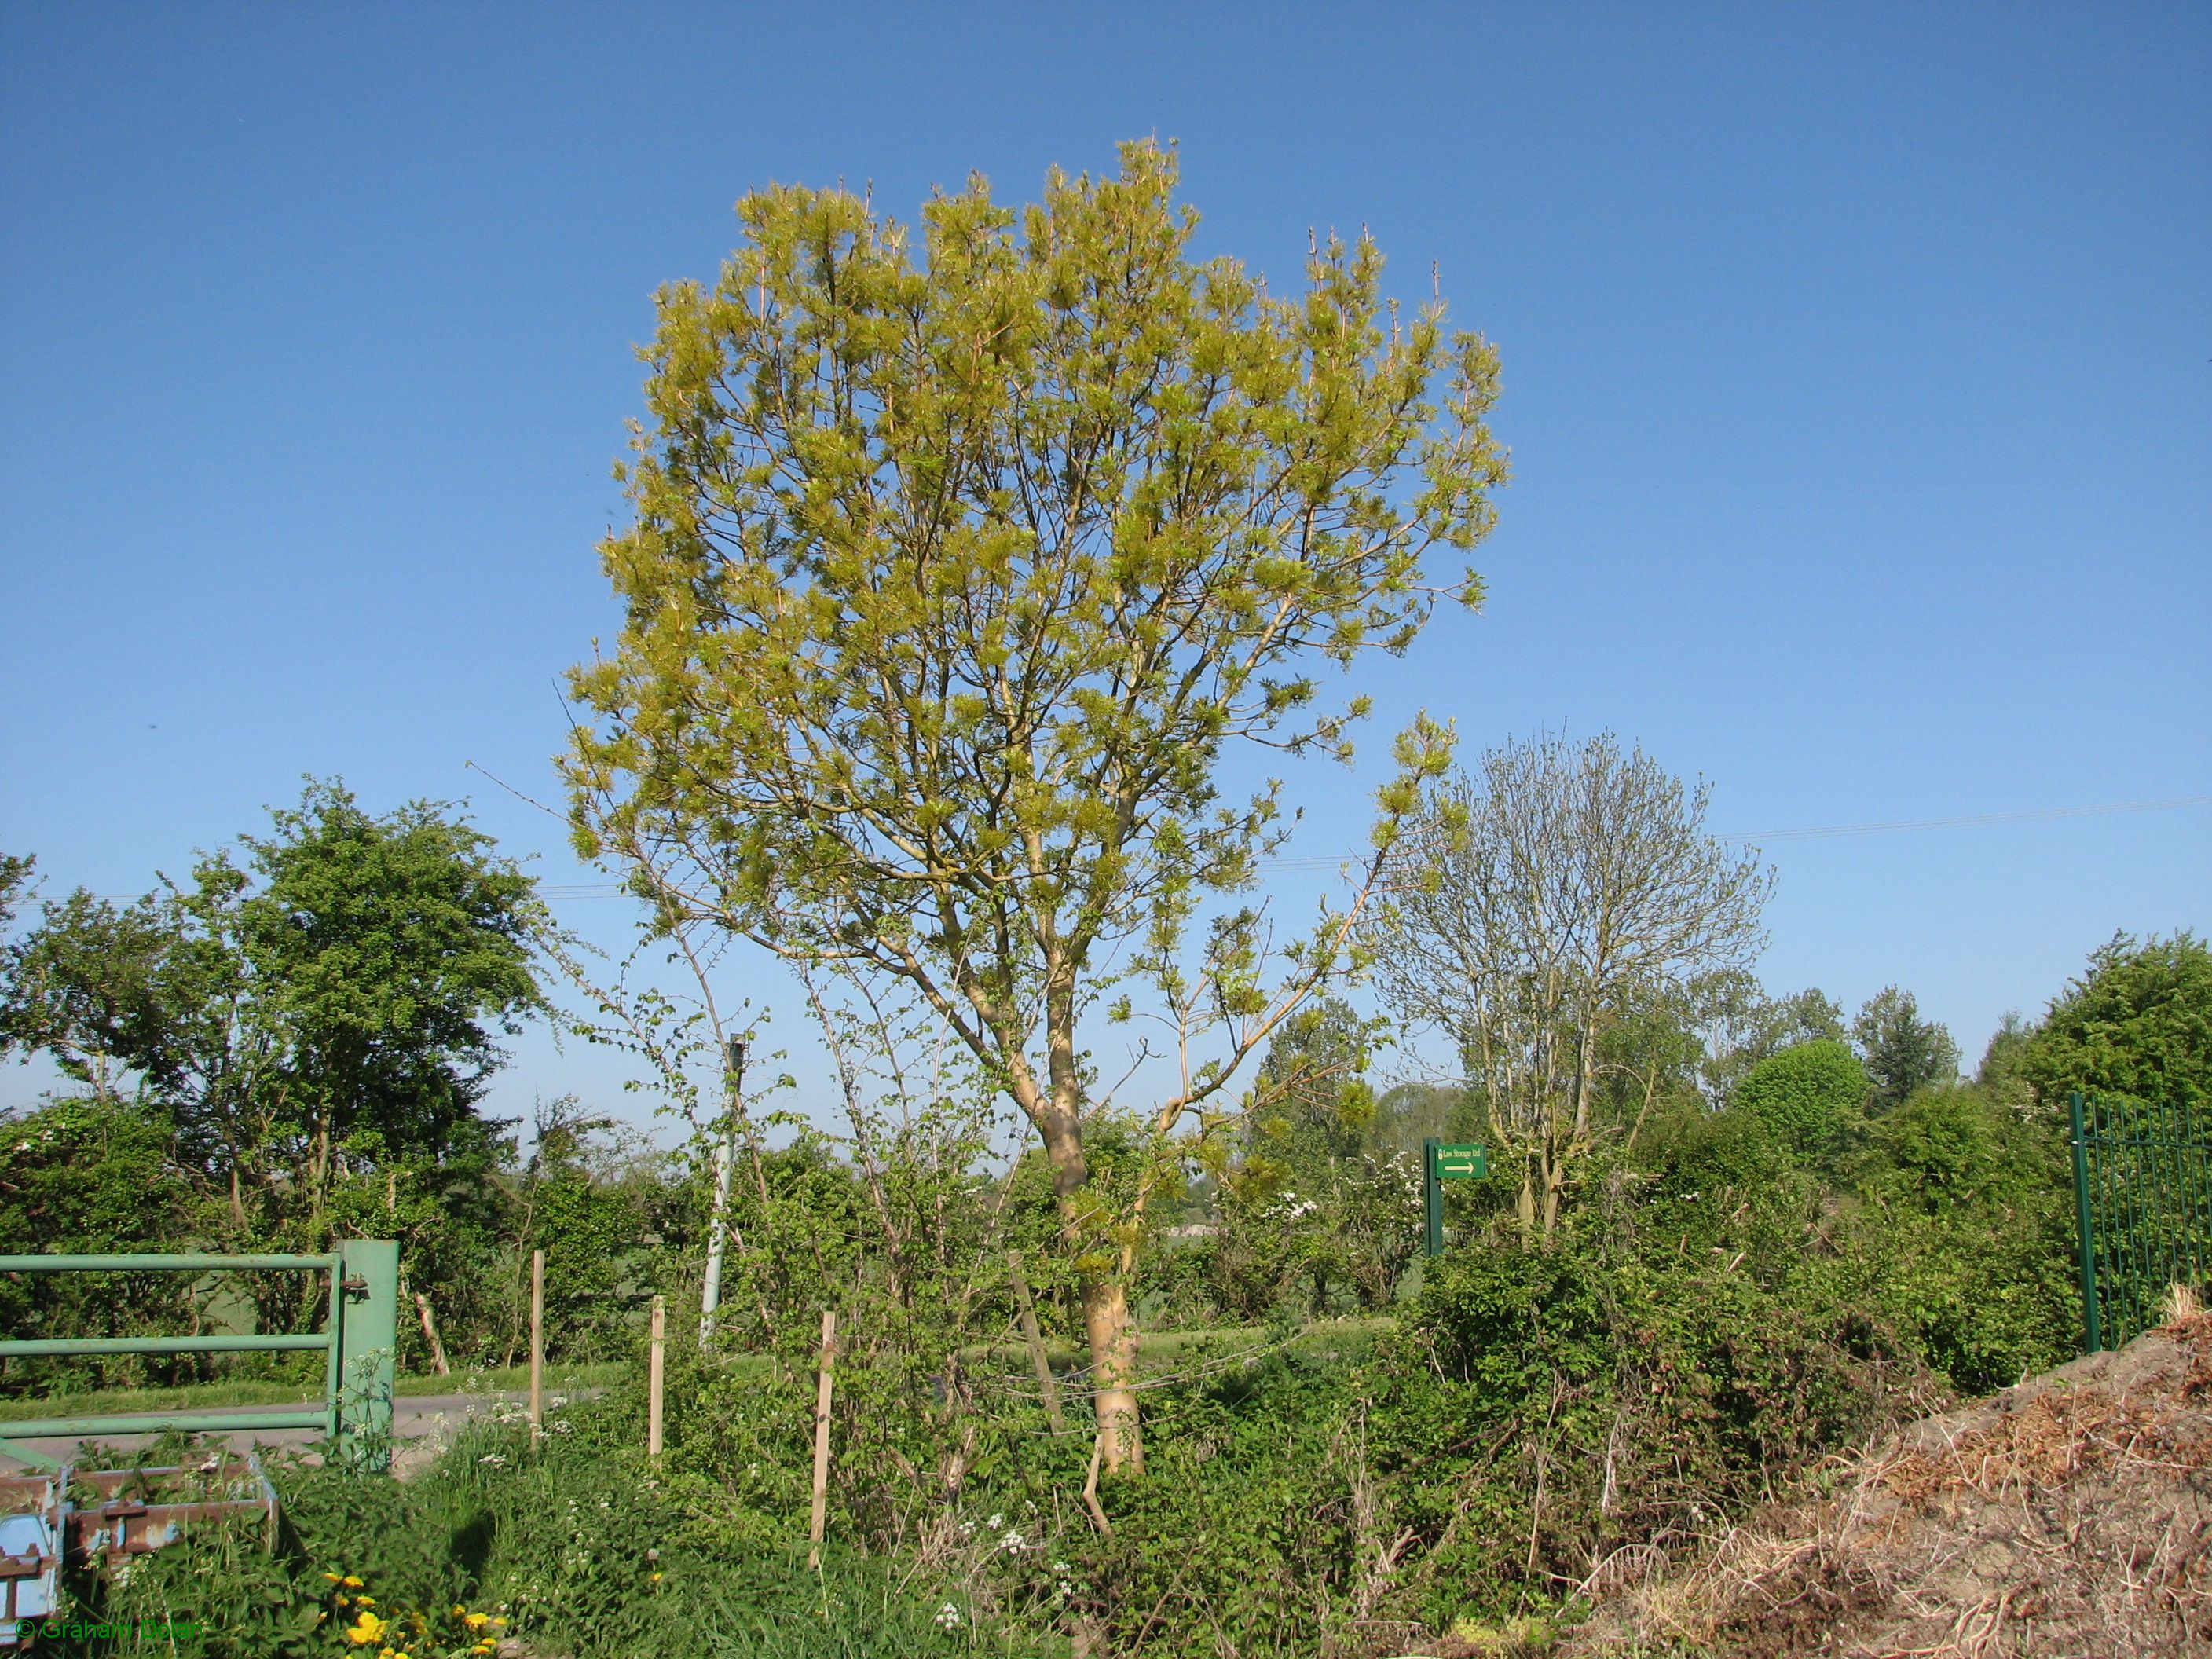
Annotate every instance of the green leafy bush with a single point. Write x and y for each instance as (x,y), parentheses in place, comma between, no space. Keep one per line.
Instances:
(1808,1095)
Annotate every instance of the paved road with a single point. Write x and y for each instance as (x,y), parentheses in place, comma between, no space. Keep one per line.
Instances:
(422,1424)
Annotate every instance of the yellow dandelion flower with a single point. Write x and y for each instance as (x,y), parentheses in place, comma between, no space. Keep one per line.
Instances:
(333,1577)
(350,1582)
(476,1621)
(364,1630)
(366,1601)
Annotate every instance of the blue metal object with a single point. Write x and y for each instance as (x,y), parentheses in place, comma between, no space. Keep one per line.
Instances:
(101,1518)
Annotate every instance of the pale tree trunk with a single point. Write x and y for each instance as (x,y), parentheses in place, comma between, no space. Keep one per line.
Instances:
(1107,1331)
(1112,1340)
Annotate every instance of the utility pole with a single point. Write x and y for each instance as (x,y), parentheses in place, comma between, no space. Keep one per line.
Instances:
(726,1152)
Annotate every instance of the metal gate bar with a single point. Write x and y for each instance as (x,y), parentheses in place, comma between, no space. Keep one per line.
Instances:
(360,1337)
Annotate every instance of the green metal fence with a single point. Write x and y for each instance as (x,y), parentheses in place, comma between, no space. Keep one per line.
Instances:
(2142,1203)
(359,1337)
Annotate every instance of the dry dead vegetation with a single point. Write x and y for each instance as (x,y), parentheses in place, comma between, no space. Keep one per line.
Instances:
(2069,1516)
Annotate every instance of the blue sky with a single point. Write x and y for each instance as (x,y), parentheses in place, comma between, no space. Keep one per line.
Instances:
(1856,374)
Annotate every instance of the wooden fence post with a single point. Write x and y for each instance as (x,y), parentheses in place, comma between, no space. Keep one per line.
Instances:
(652,1378)
(537,1344)
(1048,1384)
(822,1440)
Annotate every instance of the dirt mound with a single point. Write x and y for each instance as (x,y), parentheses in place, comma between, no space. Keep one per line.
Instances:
(2069,1516)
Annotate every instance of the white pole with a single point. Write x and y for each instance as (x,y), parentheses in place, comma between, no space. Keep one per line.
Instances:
(652,1439)
(717,1231)
(537,1344)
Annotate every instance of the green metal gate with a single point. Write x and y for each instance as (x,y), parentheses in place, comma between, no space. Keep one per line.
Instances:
(360,1337)
(2142,1204)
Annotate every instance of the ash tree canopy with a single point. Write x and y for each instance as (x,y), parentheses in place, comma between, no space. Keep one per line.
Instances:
(961,557)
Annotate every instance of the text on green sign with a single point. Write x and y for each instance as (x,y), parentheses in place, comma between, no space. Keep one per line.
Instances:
(1462,1163)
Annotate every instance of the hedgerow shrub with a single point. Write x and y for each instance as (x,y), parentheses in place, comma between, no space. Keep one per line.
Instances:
(1808,1094)
(1553,1401)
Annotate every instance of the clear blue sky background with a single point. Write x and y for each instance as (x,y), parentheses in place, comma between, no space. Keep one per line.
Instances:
(1857,377)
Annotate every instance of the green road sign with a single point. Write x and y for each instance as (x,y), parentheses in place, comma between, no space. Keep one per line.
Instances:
(1440,1163)
(1462,1163)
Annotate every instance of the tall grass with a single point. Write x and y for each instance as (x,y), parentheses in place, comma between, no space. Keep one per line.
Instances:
(574,1543)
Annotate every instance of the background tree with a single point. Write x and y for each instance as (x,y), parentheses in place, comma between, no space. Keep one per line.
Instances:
(953,577)
(1740,1025)
(309,1023)
(1316,1104)
(383,954)
(2003,1070)
(89,987)
(2138,1024)
(1532,905)
(1316,1199)
(1901,1051)
(1407,1114)
(16,871)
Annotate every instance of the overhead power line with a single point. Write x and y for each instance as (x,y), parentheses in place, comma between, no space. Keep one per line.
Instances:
(2028,816)
(1805,832)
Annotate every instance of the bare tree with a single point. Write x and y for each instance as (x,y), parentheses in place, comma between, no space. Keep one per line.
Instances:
(1536,902)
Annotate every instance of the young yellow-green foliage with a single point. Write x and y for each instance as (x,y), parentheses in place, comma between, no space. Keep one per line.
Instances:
(959,558)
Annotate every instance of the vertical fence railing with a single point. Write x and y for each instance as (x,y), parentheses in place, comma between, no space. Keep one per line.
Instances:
(359,1338)
(2142,1206)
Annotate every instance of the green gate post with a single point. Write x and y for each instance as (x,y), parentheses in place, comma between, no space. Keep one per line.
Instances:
(368,1338)
(1432,1196)
(2085,1228)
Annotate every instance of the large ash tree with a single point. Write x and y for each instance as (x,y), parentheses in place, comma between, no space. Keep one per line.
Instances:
(959,562)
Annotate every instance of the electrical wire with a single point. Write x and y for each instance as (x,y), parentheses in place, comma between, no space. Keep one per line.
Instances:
(561,892)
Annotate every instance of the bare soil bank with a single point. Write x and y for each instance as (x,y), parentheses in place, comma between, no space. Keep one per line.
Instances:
(2069,1516)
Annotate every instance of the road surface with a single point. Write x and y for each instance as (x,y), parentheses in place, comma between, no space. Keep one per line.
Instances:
(422,1425)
